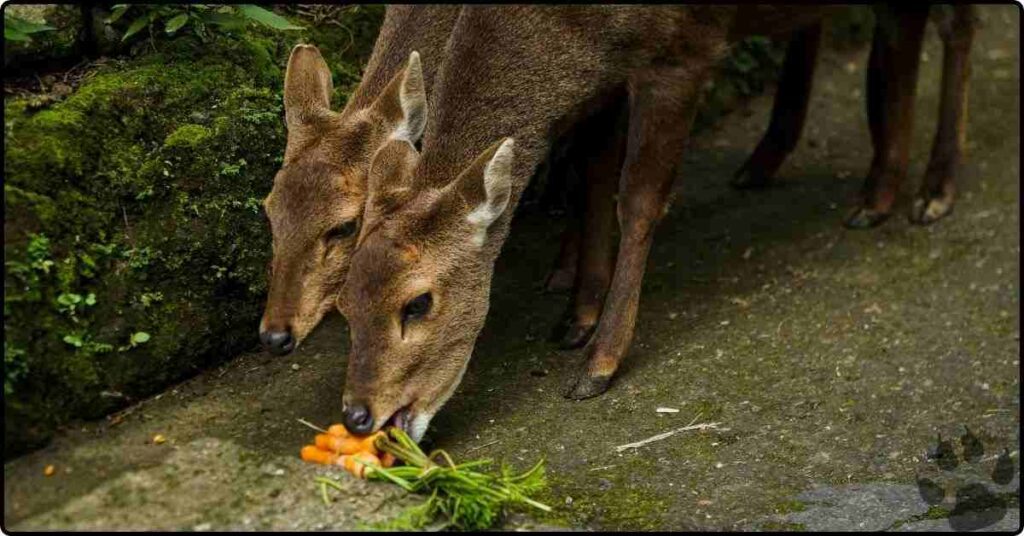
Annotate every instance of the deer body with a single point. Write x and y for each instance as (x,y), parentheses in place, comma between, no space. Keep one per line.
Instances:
(512,80)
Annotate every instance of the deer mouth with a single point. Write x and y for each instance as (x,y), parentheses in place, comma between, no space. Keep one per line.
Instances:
(401,419)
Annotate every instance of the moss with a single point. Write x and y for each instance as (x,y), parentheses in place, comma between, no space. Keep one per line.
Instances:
(188,136)
(789,506)
(133,207)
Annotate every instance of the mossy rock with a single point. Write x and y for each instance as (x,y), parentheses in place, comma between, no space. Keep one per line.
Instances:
(134,242)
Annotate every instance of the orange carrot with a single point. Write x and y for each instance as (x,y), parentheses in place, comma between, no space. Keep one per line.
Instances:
(387,459)
(338,430)
(346,445)
(356,463)
(311,453)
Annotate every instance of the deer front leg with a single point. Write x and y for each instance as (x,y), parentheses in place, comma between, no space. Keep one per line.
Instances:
(662,103)
(935,198)
(598,161)
(788,113)
(892,77)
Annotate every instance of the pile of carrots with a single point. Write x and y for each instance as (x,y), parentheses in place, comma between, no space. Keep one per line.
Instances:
(355,453)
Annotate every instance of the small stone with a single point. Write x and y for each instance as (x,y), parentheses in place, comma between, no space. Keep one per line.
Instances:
(719,465)
(159,439)
(295,366)
(604,484)
(568,501)
(705,502)
(673,316)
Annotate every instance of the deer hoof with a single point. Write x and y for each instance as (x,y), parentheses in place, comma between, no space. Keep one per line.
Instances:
(864,218)
(927,211)
(589,387)
(576,336)
(749,178)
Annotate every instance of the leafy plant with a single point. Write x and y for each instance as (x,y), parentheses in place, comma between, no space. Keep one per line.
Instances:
(19,29)
(461,496)
(202,19)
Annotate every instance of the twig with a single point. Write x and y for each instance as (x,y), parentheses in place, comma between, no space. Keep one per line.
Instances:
(670,433)
(599,468)
(313,426)
(478,447)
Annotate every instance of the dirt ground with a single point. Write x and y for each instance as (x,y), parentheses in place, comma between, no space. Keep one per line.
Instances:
(830,359)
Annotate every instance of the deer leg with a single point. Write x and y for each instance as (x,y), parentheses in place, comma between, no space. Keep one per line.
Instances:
(935,198)
(788,113)
(892,77)
(562,274)
(662,103)
(600,171)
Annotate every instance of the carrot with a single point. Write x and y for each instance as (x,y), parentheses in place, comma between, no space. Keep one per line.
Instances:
(357,463)
(387,459)
(311,453)
(346,445)
(338,430)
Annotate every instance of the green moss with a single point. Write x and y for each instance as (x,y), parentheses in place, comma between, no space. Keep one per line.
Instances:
(789,506)
(133,206)
(188,136)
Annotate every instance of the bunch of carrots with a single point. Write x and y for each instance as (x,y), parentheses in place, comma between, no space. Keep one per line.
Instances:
(354,453)
(459,494)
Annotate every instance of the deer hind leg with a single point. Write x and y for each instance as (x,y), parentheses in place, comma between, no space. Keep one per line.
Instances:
(892,77)
(662,103)
(935,198)
(788,113)
(600,164)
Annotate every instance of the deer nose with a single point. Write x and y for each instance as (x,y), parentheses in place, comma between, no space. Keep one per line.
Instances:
(278,342)
(357,419)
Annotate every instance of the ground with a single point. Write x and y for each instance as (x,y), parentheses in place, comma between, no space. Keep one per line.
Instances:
(831,360)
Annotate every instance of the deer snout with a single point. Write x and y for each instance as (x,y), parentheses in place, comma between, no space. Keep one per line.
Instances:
(278,342)
(357,419)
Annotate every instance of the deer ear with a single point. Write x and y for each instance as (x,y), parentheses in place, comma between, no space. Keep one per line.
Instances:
(404,102)
(307,86)
(389,184)
(486,187)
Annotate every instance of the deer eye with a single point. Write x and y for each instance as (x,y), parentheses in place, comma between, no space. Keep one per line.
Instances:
(344,230)
(418,307)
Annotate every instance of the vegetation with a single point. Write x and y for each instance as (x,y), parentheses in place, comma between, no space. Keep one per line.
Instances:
(135,249)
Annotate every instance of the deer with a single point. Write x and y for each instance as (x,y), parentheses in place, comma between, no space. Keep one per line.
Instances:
(417,291)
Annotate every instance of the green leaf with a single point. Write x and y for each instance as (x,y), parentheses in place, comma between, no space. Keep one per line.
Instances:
(176,23)
(10,34)
(90,299)
(73,340)
(116,14)
(267,18)
(136,26)
(140,337)
(24,26)
(224,20)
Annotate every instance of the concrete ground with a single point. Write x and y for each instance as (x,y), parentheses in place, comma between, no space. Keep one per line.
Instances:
(830,359)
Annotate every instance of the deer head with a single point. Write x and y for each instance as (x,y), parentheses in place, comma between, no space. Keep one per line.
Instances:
(418,288)
(316,204)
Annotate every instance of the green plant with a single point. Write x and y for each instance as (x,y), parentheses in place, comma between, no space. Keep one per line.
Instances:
(19,29)
(463,497)
(202,19)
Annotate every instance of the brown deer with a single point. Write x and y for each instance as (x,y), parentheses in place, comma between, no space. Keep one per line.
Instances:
(318,196)
(417,292)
